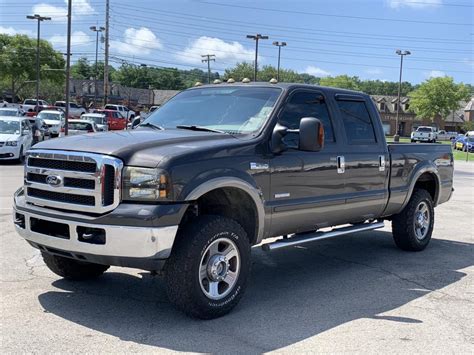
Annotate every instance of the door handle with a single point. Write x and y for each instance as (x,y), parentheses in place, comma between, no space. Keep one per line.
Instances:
(341,165)
(381,162)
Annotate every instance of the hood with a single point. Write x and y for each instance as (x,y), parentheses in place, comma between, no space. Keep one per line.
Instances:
(9,137)
(140,147)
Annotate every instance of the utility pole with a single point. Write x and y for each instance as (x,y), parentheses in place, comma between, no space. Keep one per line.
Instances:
(97,30)
(209,58)
(256,38)
(68,64)
(279,45)
(396,137)
(39,19)
(106,62)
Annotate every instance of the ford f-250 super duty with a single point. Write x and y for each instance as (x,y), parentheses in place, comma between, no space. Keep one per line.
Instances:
(217,170)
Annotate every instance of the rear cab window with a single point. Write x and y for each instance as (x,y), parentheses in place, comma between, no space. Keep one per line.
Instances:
(358,124)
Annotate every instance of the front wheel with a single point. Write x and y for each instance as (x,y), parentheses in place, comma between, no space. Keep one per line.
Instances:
(207,272)
(413,226)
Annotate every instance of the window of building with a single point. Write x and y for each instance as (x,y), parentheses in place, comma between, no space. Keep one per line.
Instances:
(382,106)
(407,106)
(395,107)
(357,122)
(305,104)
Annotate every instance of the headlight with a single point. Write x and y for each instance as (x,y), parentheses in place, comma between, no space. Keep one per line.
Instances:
(145,184)
(11,143)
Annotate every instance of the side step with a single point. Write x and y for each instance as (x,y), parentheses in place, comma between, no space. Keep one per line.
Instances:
(306,238)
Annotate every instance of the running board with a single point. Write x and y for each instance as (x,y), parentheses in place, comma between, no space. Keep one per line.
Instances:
(306,238)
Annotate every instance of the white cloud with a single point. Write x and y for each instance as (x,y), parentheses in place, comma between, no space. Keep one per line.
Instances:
(374,71)
(312,70)
(13,31)
(436,74)
(224,51)
(59,13)
(78,38)
(141,40)
(414,4)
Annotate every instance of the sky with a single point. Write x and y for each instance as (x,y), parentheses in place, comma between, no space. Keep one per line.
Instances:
(324,37)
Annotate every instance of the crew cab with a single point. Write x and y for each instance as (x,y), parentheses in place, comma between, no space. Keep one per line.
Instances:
(29,105)
(115,120)
(424,134)
(219,169)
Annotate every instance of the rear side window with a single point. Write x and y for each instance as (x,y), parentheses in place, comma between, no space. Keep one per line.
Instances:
(357,122)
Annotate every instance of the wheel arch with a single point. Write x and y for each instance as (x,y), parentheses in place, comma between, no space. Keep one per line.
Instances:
(248,208)
(426,177)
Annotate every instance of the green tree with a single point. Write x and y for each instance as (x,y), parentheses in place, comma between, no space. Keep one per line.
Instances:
(342,82)
(18,63)
(437,97)
(240,71)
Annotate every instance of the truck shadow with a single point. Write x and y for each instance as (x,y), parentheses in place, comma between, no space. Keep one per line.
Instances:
(293,294)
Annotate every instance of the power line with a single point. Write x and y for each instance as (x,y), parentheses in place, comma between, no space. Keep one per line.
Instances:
(333,15)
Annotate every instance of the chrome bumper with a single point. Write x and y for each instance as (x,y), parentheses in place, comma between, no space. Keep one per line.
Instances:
(119,241)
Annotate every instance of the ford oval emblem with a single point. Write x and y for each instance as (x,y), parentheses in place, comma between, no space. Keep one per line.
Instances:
(54,180)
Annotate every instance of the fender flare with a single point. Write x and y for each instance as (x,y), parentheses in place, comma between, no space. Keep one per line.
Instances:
(431,169)
(222,182)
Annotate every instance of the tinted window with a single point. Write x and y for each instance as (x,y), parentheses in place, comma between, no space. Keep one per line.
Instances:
(80,126)
(357,123)
(305,104)
(424,129)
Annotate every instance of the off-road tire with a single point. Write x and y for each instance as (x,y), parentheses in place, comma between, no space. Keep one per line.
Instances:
(73,269)
(403,224)
(182,268)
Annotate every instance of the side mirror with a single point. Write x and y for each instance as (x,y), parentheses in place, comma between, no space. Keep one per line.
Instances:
(277,143)
(135,122)
(311,134)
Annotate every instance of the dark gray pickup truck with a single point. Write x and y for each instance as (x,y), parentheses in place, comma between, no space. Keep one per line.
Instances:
(217,170)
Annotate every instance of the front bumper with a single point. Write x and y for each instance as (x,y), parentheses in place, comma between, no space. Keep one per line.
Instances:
(145,247)
(9,152)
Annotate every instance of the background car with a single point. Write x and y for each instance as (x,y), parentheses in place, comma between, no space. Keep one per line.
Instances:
(465,143)
(76,127)
(424,134)
(15,137)
(11,111)
(115,120)
(99,119)
(124,110)
(75,110)
(40,129)
(29,106)
(54,119)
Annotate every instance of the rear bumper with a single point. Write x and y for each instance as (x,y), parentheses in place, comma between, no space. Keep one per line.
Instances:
(145,247)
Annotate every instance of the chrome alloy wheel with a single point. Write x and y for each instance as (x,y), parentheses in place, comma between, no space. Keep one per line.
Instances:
(422,220)
(219,268)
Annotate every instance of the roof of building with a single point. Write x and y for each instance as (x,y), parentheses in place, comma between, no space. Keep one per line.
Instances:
(470,105)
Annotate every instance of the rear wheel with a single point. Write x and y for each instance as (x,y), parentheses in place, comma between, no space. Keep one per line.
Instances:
(207,272)
(73,269)
(412,228)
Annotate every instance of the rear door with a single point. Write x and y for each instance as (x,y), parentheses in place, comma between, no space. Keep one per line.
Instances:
(365,156)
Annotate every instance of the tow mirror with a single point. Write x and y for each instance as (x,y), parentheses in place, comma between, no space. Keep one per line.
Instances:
(311,134)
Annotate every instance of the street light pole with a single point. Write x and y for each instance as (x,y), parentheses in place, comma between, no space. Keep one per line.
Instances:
(39,19)
(279,45)
(396,137)
(209,58)
(256,38)
(97,30)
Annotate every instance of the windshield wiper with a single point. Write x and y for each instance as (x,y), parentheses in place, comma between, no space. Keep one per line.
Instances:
(149,124)
(199,128)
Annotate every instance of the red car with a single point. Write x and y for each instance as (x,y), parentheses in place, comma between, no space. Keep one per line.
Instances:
(114,119)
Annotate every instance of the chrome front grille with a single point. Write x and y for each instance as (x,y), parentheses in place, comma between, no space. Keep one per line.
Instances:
(82,182)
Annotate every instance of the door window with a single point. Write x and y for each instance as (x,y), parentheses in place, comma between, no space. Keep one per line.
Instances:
(305,104)
(357,122)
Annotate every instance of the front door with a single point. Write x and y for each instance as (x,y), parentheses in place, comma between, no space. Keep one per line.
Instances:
(307,192)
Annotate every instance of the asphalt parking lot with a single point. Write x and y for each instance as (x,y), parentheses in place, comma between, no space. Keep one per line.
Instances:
(357,293)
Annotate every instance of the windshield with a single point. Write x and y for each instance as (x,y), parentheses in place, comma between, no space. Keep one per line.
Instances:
(80,126)
(9,127)
(49,116)
(424,129)
(229,109)
(8,112)
(97,120)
